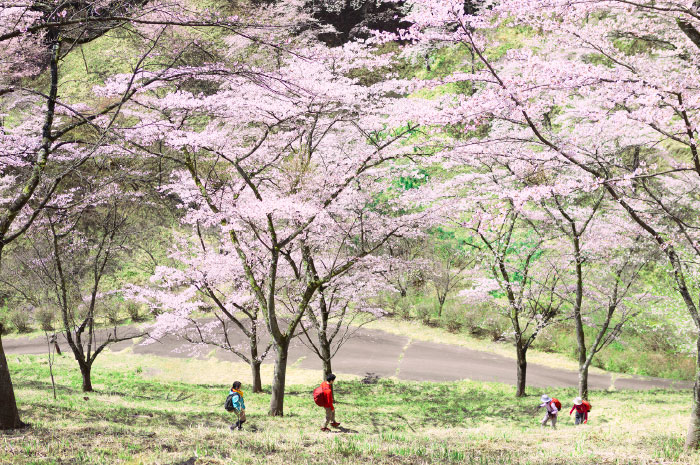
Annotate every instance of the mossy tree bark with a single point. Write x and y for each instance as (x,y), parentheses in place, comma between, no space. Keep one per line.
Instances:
(9,415)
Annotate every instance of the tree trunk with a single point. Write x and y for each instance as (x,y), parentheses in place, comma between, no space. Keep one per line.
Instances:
(583,381)
(522,372)
(692,440)
(9,416)
(254,361)
(326,357)
(257,380)
(578,319)
(277,399)
(85,371)
(441,303)
(327,369)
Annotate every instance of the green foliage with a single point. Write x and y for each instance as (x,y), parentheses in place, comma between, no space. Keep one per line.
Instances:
(112,311)
(640,45)
(454,318)
(633,352)
(412,181)
(424,311)
(598,59)
(45,317)
(452,244)
(90,64)
(134,311)
(20,319)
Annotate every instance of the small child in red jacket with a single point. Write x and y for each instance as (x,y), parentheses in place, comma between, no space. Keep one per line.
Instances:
(327,387)
(582,408)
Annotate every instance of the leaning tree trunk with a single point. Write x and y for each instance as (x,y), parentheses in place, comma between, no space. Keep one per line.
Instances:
(278,382)
(85,369)
(692,440)
(522,372)
(9,416)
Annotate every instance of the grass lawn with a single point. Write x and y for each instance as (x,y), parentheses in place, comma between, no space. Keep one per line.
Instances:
(142,416)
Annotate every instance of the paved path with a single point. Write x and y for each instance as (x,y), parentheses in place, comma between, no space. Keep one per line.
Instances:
(390,355)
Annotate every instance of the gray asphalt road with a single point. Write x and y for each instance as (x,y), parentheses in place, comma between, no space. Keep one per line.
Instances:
(389,355)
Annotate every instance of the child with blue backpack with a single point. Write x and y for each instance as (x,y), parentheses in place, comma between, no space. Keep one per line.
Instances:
(234,403)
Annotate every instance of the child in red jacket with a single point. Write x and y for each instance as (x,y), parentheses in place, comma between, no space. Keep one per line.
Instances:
(582,408)
(327,387)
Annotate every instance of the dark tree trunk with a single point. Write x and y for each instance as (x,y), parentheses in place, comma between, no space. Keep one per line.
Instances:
(692,440)
(85,371)
(522,372)
(257,380)
(9,416)
(278,382)
(578,319)
(254,361)
(325,346)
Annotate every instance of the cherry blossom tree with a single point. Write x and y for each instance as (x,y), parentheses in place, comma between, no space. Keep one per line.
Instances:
(448,261)
(35,154)
(279,163)
(606,252)
(341,307)
(607,256)
(71,249)
(9,415)
(402,271)
(518,268)
(607,90)
(52,135)
(205,279)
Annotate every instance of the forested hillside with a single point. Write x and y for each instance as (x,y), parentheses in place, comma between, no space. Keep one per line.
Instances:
(524,174)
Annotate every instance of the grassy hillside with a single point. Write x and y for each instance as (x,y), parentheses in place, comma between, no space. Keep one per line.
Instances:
(137,418)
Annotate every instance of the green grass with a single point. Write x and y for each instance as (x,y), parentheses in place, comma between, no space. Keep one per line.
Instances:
(137,419)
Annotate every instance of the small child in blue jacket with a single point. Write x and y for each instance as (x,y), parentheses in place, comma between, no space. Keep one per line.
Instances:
(236,396)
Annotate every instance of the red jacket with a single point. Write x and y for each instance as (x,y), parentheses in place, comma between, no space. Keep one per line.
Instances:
(328,393)
(580,409)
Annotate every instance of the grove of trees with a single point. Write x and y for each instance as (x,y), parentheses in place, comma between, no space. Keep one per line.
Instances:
(248,176)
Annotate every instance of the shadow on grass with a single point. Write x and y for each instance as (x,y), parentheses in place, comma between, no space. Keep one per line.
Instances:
(398,415)
(70,390)
(375,424)
(342,429)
